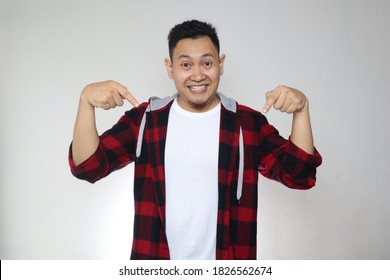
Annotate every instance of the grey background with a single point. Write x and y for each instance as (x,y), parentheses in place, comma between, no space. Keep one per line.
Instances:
(336,52)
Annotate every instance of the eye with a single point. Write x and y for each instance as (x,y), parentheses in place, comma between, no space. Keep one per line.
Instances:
(185,65)
(208,64)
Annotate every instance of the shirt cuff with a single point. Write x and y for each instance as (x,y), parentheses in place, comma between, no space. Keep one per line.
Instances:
(295,151)
(90,164)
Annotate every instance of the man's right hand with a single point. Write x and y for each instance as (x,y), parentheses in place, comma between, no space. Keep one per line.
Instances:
(106,95)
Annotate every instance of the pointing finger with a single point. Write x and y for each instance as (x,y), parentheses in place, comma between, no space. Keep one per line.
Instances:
(129,97)
(271,98)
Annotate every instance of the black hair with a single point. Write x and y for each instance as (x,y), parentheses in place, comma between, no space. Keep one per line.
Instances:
(192,29)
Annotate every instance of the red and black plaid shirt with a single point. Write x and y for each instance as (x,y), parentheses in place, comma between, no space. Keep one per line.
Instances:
(265,151)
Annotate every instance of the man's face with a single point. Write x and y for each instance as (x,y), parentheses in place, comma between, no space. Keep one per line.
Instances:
(196,69)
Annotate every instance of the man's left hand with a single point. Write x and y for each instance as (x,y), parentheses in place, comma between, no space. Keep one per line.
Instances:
(285,99)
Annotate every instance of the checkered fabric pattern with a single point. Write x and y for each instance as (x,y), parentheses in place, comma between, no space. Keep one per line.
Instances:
(265,152)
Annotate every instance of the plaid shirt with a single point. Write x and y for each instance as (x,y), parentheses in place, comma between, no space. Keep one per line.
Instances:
(265,151)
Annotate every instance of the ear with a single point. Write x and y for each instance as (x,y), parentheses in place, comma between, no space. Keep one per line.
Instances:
(221,64)
(168,66)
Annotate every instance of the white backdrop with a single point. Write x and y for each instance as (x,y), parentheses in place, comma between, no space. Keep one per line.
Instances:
(337,52)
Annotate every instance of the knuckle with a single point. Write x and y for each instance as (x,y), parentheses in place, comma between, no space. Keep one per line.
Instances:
(104,98)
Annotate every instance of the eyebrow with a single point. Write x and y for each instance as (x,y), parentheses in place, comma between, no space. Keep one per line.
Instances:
(187,56)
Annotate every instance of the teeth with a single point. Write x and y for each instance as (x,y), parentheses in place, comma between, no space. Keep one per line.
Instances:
(197,88)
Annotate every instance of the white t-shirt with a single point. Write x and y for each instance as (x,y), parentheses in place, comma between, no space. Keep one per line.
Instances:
(191,172)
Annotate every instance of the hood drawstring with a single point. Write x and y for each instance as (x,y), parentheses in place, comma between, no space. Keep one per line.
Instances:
(141,134)
(240,179)
(156,103)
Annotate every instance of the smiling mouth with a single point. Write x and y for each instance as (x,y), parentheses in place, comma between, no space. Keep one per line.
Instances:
(198,89)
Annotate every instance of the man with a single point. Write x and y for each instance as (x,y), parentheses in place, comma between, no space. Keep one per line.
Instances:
(197,154)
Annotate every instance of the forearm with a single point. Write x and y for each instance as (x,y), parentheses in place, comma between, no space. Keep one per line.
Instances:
(301,132)
(106,95)
(85,135)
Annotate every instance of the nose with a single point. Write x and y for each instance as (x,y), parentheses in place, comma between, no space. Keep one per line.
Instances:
(197,74)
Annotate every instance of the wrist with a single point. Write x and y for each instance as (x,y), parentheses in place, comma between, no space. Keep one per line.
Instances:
(84,102)
(304,109)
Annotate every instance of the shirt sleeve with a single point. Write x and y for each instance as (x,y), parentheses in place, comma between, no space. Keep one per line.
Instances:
(116,149)
(283,161)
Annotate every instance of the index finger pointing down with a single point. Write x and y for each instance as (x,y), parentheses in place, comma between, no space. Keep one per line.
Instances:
(129,97)
(270,100)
